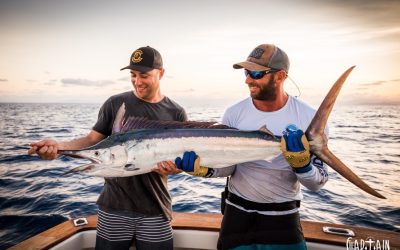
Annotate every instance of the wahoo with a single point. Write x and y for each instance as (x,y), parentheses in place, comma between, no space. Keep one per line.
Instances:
(132,150)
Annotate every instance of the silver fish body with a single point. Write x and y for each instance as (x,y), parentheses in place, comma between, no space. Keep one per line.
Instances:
(139,151)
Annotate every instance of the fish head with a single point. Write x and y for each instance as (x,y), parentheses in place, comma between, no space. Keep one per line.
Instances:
(97,156)
(101,158)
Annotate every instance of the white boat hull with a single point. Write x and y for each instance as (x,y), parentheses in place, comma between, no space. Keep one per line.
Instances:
(183,240)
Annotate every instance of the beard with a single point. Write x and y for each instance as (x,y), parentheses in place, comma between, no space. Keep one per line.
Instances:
(266,92)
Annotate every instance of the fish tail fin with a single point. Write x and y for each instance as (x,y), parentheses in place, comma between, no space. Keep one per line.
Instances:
(329,158)
(319,143)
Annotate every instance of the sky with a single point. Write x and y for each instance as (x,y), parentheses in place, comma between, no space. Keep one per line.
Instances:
(72,50)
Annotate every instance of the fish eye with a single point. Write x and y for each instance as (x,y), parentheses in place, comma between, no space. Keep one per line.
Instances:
(96,153)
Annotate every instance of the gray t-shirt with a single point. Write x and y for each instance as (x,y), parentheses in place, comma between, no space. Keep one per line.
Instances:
(147,193)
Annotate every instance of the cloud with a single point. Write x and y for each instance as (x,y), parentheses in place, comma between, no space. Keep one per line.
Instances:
(123,79)
(385,91)
(51,82)
(378,83)
(190,90)
(3,80)
(370,12)
(378,19)
(85,82)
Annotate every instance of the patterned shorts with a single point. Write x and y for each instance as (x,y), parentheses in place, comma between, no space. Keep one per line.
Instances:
(119,230)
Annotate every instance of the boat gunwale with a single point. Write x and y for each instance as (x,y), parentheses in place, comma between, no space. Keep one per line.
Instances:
(210,222)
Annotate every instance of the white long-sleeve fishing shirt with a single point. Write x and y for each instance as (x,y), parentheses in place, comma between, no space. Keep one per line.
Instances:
(271,181)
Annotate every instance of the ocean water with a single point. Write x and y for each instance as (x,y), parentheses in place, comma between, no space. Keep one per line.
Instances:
(34,196)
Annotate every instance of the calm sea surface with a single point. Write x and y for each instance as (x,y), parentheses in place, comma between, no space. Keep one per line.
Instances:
(34,197)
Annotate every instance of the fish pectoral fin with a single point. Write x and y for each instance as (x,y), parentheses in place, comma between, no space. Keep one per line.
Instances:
(335,163)
(130,167)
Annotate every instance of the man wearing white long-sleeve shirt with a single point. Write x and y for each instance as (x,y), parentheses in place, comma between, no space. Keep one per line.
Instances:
(264,196)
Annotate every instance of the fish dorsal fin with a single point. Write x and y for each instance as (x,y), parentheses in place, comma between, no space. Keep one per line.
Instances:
(119,119)
(132,123)
(266,130)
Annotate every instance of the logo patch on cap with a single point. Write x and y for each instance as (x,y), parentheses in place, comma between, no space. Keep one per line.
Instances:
(257,53)
(137,56)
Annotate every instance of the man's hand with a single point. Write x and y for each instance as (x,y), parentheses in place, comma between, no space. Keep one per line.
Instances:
(46,149)
(190,163)
(166,168)
(295,147)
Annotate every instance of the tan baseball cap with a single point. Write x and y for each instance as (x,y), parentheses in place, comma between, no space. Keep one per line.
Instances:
(265,57)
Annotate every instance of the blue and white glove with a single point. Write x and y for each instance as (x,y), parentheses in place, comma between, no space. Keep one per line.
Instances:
(190,163)
(295,147)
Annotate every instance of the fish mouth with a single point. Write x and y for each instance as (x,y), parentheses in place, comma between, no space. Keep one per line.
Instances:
(85,168)
(76,154)
(82,168)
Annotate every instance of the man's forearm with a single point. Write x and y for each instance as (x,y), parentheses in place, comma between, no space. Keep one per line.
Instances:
(78,143)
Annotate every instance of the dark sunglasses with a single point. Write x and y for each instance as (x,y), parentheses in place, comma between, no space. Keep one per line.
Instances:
(258,74)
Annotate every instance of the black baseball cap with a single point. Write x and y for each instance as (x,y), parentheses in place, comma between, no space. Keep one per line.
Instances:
(145,59)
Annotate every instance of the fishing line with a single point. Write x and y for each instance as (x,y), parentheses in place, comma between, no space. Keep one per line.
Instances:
(295,84)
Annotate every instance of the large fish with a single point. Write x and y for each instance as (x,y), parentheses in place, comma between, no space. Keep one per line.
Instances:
(129,151)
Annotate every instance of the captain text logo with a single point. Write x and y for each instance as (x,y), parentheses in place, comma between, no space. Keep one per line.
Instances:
(367,244)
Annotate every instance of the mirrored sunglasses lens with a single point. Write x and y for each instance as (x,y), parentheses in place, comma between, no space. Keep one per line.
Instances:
(257,74)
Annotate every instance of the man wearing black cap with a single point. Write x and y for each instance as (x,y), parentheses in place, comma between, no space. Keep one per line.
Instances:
(263,197)
(136,208)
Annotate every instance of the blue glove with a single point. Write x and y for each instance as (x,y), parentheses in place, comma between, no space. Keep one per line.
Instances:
(190,163)
(295,147)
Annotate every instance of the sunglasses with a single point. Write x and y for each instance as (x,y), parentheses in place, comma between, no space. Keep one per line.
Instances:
(258,74)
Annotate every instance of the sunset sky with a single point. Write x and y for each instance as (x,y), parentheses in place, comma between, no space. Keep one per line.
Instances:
(72,51)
